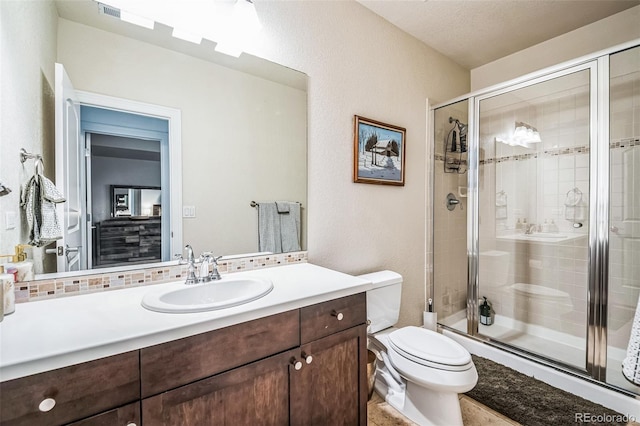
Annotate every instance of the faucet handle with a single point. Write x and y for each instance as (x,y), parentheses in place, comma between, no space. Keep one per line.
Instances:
(180,259)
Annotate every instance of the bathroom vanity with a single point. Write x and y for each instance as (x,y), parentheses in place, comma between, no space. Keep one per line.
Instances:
(296,356)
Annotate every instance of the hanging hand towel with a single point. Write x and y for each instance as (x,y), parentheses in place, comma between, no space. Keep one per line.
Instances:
(279,232)
(282,206)
(269,228)
(290,227)
(39,199)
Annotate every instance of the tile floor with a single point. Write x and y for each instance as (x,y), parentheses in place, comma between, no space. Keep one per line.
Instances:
(473,414)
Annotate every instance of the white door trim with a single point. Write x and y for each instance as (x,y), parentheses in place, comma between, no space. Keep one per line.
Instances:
(174,116)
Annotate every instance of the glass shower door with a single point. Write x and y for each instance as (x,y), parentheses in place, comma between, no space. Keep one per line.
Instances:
(533,200)
(624,218)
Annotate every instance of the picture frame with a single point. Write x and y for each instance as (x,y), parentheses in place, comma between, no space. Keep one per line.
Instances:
(378,152)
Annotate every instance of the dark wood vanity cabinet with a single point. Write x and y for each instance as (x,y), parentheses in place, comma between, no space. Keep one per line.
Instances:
(301,367)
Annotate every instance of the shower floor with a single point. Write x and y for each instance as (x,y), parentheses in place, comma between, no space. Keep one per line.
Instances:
(565,348)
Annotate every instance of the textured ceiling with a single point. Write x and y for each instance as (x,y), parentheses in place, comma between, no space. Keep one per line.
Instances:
(476,32)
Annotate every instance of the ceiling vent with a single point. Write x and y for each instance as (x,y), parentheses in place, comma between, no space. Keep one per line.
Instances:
(104,9)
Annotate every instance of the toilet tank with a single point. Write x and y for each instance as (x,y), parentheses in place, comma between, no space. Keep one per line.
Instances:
(383,300)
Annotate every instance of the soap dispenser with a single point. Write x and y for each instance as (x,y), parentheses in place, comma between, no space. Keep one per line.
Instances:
(485,313)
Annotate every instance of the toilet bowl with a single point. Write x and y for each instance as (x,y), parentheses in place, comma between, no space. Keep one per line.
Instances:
(420,372)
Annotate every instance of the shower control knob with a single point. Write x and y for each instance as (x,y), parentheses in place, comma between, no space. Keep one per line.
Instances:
(339,315)
(307,358)
(297,365)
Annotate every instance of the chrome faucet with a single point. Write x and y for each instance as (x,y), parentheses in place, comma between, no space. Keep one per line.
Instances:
(204,261)
(191,262)
(215,274)
(530,229)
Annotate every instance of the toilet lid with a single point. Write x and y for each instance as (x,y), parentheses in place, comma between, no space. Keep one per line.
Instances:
(429,348)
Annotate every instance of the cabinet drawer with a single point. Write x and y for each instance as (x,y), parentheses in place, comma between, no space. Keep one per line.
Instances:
(323,319)
(183,361)
(128,415)
(77,391)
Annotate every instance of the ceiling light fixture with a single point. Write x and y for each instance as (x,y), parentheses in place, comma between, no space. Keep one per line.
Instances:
(186,35)
(233,26)
(132,18)
(523,135)
(240,29)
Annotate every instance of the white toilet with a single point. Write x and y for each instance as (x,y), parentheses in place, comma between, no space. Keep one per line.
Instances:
(523,297)
(420,372)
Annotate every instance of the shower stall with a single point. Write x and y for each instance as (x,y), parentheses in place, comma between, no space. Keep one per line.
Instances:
(540,200)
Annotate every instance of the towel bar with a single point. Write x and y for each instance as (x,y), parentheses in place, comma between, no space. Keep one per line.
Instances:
(254,204)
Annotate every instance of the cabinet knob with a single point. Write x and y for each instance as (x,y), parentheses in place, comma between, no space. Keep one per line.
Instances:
(296,364)
(339,315)
(307,358)
(131,424)
(47,405)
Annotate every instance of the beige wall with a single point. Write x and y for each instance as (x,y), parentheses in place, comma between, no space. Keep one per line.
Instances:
(608,32)
(360,64)
(243,137)
(26,104)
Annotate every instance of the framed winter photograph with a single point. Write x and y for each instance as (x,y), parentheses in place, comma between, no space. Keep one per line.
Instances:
(378,152)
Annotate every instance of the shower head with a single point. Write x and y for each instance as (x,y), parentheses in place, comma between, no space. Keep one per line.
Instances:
(459,125)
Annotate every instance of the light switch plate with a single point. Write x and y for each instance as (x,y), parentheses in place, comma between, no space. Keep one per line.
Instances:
(10,220)
(188,211)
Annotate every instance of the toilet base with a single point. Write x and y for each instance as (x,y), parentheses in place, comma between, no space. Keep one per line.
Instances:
(423,406)
(428,407)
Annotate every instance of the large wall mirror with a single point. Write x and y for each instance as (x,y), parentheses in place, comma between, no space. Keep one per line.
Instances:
(243,127)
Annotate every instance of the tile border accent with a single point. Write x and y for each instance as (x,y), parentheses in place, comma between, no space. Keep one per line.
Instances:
(31,291)
(619,143)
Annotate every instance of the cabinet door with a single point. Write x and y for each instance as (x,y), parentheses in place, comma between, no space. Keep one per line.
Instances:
(331,386)
(256,393)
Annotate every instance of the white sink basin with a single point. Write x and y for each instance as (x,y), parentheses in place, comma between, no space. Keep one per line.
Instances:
(210,296)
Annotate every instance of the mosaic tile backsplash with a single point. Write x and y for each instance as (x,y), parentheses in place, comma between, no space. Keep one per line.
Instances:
(32,291)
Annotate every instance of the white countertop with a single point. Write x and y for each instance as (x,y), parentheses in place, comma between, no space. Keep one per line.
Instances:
(543,237)
(55,333)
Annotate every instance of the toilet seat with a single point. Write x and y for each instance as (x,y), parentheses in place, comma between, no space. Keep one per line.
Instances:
(429,348)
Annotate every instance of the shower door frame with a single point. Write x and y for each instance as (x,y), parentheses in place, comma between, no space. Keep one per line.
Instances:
(598,235)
